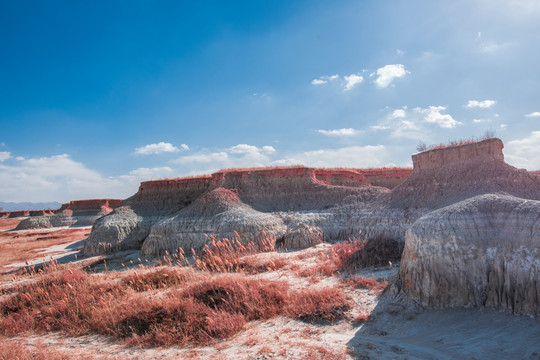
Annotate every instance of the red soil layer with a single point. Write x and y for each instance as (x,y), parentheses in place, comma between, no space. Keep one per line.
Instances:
(174,183)
(386,177)
(8,224)
(91,204)
(394,173)
(341,177)
(536,172)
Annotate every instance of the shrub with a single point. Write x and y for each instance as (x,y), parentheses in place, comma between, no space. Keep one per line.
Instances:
(318,304)
(155,279)
(377,251)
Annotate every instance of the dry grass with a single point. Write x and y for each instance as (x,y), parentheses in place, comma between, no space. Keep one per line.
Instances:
(21,246)
(198,308)
(358,282)
(318,304)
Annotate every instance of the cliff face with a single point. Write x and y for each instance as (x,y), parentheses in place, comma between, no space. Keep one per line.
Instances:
(387,177)
(485,150)
(161,215)
(442,177)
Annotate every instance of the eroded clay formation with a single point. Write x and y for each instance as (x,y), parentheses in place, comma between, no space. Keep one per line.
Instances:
(74,213)
(469,221)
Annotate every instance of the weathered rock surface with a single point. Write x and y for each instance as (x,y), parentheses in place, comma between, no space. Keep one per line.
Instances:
(74,213)
(483,251)
(219,211)
(169,214)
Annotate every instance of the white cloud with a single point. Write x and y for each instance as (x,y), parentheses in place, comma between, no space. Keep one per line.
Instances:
(268,149)
(352,156)
(203,158)
(339,132)
(504,126)
(352,80)
(318,82)
(533,114)
(398,113)
(19,158)
(60,178)
(400,52)
(250,149)
(324,79)
(433,115)
(161,147)
(523,153)
(4,155)
(479,121)
(387,74)
(480,104)
(237,156)
(380,127)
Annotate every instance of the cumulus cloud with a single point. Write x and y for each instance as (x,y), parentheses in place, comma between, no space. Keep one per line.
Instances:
(415,124)
(250,149)
(523,153)
(398,113)
(352,80)
(339,132)
(387,74)
(480,104)
(533,114)
(60,178)
(433,115)
(4,155)
(161,147)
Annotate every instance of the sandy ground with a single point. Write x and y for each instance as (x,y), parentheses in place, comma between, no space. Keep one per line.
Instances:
(394,331)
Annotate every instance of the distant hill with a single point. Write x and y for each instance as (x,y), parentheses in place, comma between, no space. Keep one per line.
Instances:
(11,206)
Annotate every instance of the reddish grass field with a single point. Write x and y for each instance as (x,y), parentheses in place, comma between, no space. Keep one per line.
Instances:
(21,246)
(182,303)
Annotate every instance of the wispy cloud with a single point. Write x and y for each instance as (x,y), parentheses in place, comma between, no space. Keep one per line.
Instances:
(480,104)
(491,46)
(351,156)
(161,147)
(339,132)
(241,155)
(479,121)
(4,155)
(324,79)
(533,114)
(387,74)
(352,80)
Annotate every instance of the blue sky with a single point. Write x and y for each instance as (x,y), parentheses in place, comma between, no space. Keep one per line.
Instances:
(96,97)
